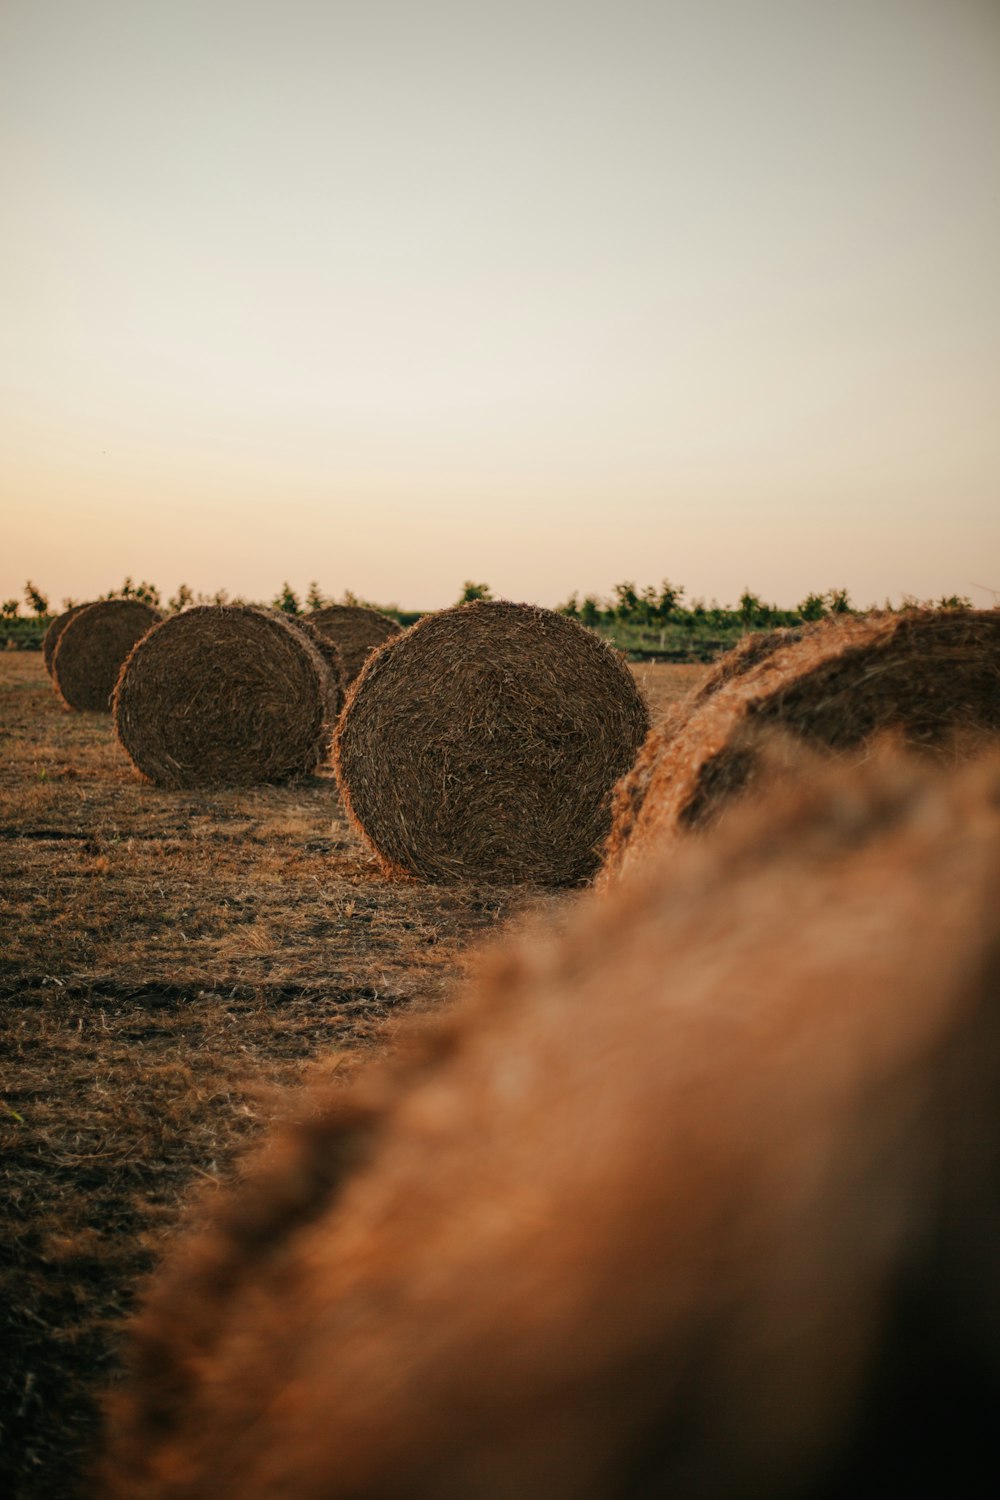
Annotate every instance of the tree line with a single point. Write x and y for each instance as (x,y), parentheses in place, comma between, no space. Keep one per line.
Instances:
(650,608)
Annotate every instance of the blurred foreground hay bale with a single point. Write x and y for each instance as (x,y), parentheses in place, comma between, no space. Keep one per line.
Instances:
(929,677)
(223,695)
(483,744)
(355,630)
(91,647)
(694,1199)
(51,638)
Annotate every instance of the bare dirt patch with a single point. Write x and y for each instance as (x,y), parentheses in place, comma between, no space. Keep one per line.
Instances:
(169,960)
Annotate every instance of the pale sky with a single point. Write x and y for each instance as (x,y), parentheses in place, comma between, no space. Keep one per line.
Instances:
(393,294)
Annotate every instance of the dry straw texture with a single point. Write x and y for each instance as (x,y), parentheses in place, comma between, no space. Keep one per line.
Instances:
(355,631)
(696,1199)
(929,677)
(335,682)
(91,648)
(221,696)
(54,631)
(751,651)
(483,744)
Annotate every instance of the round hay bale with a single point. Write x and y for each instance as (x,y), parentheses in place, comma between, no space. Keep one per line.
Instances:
(334,683)
(223,696)
(929,677)
(483,744)
(91,648)
(55,630)
(355,631)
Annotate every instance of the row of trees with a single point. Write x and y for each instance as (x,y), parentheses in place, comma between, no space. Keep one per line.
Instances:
(652,607)
(655,607)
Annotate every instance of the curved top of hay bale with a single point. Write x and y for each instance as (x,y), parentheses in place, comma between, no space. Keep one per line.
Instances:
(483,744)
(356,631)
(930,677)
(223,695)
(748,653)
(55,630)
(92,646)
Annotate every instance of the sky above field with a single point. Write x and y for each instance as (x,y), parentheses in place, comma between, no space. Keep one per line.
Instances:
(548,295)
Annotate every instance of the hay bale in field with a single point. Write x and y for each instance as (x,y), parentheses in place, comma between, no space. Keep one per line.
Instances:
(223,695)
(930,677)
(91,647)
(55,630)
(483,744)
(355,631)
(335,684)
(696,1198)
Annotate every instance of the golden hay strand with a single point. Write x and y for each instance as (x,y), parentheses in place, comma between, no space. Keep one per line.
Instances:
(91,648)
(223,695)
(929,677)
(55,630)
(692,1197)
(483,744)
(356,631)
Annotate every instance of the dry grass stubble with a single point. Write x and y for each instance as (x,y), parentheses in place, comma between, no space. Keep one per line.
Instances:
(169,957)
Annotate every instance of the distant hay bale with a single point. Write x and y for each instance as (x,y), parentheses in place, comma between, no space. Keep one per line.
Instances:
(355,630)
(55,630)
(483,744)
(329,652)
(929,677)
(91,647)
(223,695)
(695,1198)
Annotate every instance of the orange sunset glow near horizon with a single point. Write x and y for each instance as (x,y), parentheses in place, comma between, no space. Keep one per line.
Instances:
(546,295)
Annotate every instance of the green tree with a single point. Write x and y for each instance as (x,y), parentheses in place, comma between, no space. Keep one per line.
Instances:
(571,607)
(183,597)
(668,600)
(839,602)
(10,608)
(753,610)
(314,599)
(472,591)
(287,601)
(146,593)
(626,601)
(813,607)
(35,599)
(590,612)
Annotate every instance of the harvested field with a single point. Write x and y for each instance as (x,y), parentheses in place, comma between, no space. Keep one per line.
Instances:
(168,958)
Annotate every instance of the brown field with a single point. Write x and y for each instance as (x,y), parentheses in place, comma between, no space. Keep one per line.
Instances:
(169,960)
